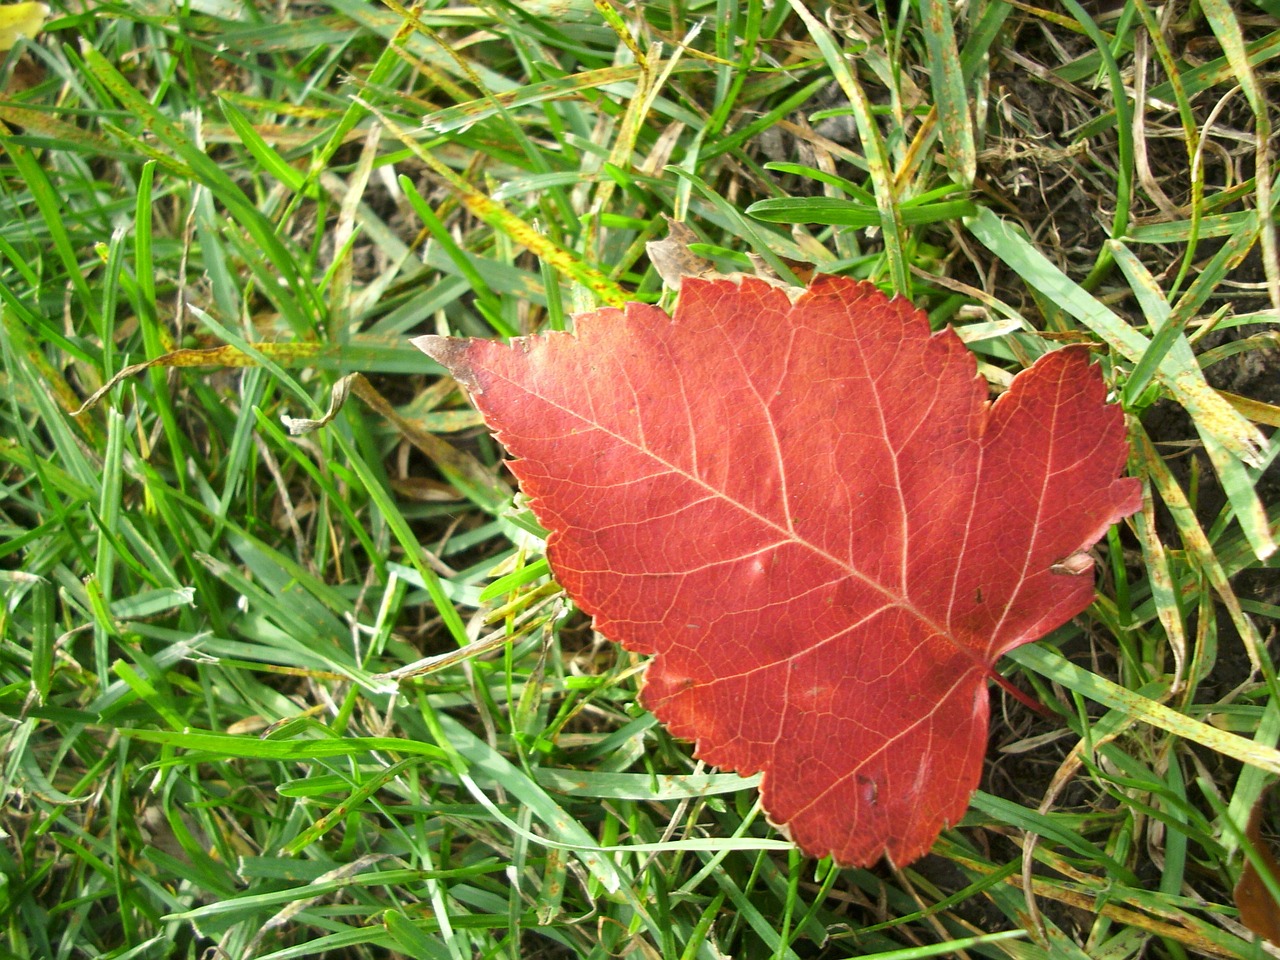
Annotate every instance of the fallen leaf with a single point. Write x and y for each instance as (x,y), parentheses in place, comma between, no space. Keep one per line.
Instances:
(1259,910)
(814,519)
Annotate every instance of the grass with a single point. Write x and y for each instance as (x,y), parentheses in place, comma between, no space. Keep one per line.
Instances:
(273,696)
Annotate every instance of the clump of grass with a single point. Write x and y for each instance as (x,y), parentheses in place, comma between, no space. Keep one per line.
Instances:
(268,695)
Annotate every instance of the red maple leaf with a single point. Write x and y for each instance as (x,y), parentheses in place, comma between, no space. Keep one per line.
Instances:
(814,519)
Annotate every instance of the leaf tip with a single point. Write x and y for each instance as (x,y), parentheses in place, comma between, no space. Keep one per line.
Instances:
(452,353)
(1075,565)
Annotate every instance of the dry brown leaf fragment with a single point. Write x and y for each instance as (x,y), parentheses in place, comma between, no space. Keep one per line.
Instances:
(673,259)
(1259,910)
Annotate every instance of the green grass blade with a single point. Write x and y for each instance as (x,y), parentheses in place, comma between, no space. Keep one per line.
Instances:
(950,94)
